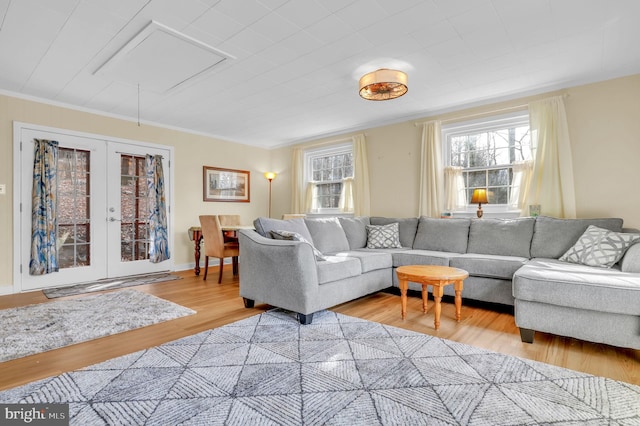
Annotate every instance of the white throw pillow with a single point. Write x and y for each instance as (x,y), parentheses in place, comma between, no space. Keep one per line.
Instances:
(383,236)
(294,236)
(600,247)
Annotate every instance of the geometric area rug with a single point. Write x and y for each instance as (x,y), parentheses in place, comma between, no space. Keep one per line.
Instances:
(268,369)
(27,330)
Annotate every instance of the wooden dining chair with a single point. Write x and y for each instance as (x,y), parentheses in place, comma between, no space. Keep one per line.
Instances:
(229,219)
(214,245)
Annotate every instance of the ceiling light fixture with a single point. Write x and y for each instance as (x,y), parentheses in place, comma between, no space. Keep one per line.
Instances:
(383,84)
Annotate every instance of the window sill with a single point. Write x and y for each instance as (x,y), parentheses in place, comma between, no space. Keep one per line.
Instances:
(497,214)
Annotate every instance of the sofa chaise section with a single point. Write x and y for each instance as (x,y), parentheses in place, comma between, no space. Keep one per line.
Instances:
(596,304)
(573,300)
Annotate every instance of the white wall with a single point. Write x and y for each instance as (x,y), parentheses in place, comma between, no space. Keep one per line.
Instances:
(191,153)
(604,125)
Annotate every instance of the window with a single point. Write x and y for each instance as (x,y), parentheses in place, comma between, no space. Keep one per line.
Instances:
(134,208)
(486,151)
(73,198)
(325,170)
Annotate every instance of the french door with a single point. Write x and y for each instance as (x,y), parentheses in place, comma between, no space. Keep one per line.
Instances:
(128,209)
(102,208)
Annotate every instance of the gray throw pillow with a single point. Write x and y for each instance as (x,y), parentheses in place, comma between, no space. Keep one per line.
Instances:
(600,247)
(552,237)
(294,236)
(407,227)
(383,236)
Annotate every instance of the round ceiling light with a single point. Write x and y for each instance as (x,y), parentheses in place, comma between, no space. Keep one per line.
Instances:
(383,84)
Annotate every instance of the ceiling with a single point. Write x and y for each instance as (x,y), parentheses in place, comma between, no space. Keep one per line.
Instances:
(274,72)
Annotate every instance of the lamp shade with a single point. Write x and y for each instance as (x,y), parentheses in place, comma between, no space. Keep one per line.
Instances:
(383,84)
(479,196)
(270,175)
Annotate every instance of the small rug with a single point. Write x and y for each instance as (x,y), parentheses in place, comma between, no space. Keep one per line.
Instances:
(340,370)
(32,329)
(108,284)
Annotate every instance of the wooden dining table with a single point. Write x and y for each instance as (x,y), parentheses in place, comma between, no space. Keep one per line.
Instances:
(195,235)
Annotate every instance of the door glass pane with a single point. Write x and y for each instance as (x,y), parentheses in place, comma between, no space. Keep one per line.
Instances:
(134,228)
(74,224)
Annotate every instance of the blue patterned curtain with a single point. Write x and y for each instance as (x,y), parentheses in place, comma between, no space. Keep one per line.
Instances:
(44,223)
(158,241)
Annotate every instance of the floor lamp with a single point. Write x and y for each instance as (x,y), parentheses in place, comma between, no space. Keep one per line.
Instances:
(270,177)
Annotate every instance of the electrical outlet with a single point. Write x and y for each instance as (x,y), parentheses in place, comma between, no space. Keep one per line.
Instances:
(3,189)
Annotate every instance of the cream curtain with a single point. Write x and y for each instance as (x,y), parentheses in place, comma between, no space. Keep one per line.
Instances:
(431,176)
(455,195)
(346,196)
(552,185)
(361,192)
(355,196)
(521,183)
(298,189)
(310,200)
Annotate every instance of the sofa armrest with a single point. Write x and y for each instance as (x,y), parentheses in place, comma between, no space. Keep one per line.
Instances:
(281,273)
(631,260)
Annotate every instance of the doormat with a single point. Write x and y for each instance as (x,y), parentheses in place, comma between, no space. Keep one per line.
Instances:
(28,330)
(109,284)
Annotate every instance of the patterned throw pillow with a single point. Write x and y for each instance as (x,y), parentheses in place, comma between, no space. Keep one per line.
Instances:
(294,236)
(383,236)
(600,247)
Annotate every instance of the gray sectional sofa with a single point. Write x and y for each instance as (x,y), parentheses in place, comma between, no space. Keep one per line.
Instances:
(510,262)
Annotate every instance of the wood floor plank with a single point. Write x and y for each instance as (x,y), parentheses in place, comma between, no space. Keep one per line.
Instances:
(220,304)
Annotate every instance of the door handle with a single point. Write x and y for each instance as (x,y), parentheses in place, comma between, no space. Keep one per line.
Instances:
(113,219)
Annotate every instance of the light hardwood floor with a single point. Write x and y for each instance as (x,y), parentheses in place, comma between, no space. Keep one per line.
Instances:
(219,304)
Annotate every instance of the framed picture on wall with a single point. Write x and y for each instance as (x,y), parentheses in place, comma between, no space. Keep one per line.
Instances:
(225,184)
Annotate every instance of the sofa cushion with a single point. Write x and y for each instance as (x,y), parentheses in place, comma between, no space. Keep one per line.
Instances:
(383,236)
(264,225)
(355,228)
(369,260)
(422,257)
(407,226)
(599,247)
(442,234)
(552,237)
(488,265)
(631,260)
(578,286)
(294,236)
(328,235)
(503,237)
(338,268)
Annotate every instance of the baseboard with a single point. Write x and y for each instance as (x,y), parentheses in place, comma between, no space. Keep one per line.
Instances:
(192,265)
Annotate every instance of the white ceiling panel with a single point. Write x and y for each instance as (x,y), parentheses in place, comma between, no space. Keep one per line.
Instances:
(160,59)
(303,14)
(217,24)
(246,11)
(297,63)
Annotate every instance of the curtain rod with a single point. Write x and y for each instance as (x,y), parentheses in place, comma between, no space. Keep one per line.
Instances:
(330,142)
(134,155)
(465,117)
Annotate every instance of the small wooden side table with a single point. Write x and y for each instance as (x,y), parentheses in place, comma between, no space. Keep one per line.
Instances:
(437,277)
